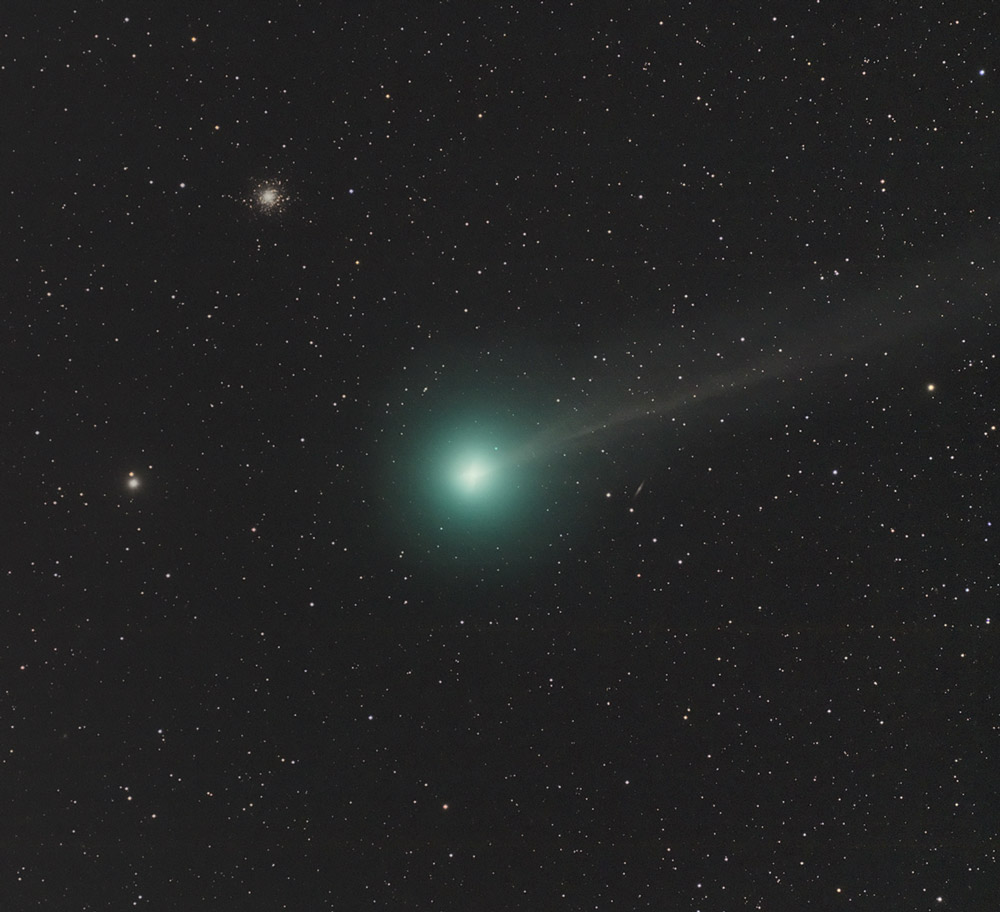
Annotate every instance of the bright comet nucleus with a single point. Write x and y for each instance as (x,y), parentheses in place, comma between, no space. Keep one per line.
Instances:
(473,475)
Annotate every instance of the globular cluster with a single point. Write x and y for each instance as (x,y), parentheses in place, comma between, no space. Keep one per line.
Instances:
(500,456)
(269,198)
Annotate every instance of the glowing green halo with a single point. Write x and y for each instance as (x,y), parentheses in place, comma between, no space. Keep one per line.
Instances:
(475,474)
(456,496)
(472,478)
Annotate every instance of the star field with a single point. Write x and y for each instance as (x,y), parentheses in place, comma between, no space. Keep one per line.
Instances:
(510,457)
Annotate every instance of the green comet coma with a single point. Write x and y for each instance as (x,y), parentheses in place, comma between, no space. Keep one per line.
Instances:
(470,483)
(459,499)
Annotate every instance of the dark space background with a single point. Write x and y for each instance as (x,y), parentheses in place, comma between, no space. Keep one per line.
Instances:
(724,641)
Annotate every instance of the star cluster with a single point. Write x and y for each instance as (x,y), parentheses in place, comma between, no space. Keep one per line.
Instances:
(269,198)
(501,456)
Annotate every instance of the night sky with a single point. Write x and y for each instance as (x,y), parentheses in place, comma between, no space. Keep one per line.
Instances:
(468,456)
